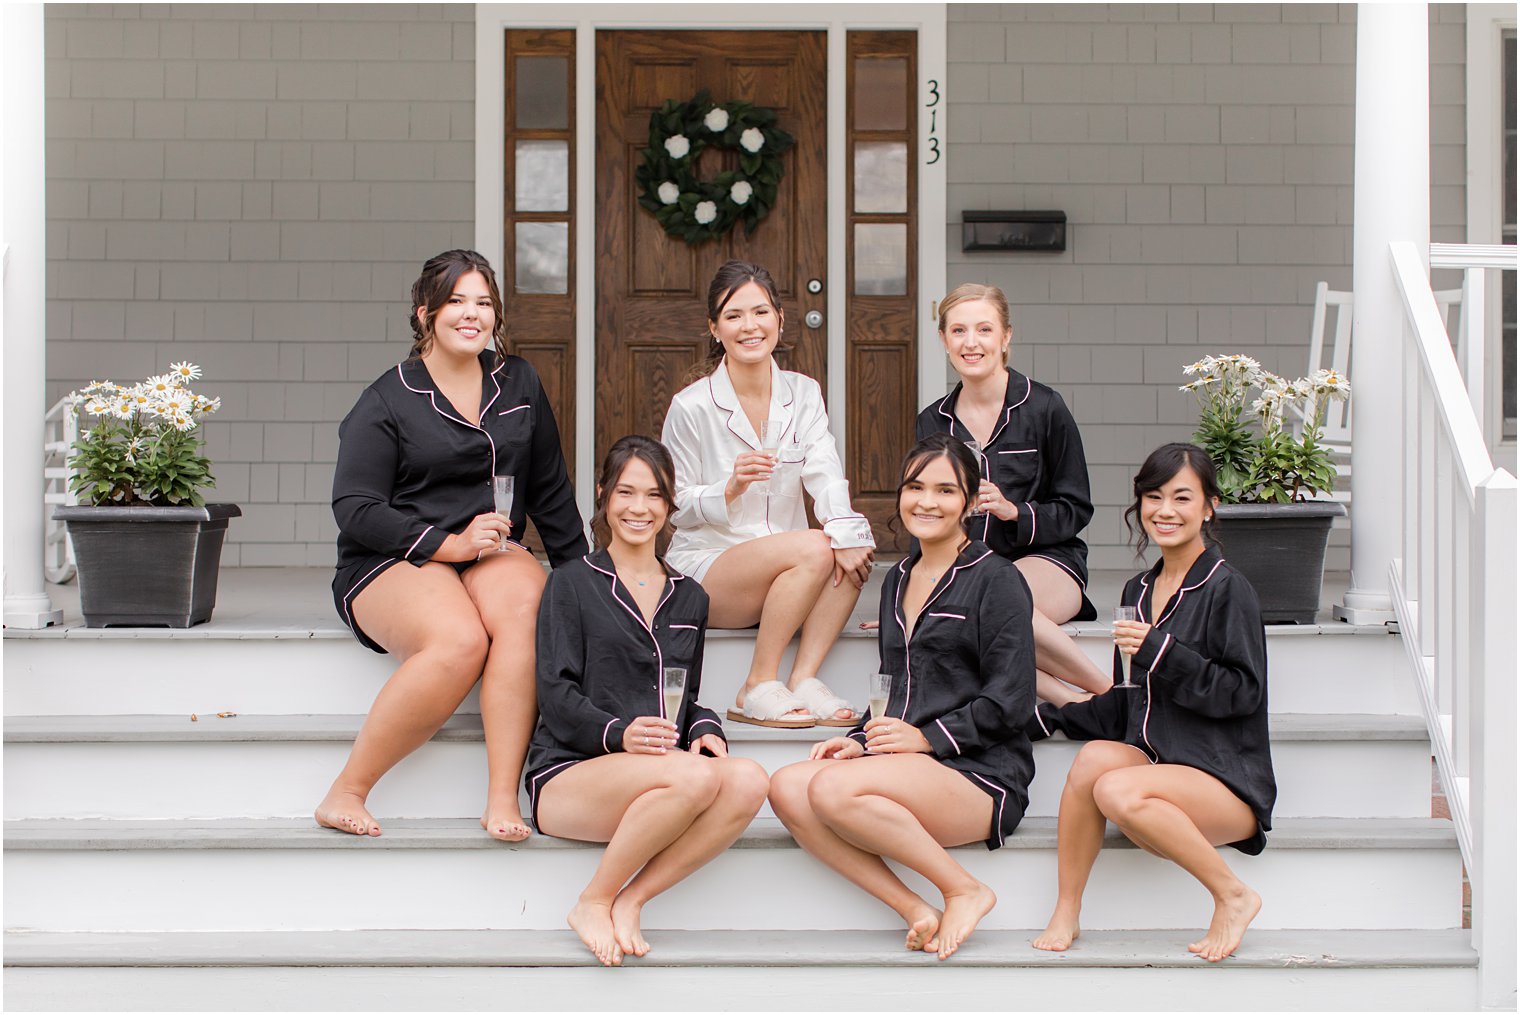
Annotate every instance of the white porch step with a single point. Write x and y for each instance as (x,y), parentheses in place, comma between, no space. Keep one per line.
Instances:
(448,875)
(724,970)
(282,669)
(153,766)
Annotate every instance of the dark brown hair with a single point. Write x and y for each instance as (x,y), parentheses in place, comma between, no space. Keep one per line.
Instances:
(1159,468)
(652,453)
(962,462)
(436,284)
(729,279)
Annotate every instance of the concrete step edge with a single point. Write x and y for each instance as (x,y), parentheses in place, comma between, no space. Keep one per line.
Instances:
(466,728)
(63,834)
(1262,949)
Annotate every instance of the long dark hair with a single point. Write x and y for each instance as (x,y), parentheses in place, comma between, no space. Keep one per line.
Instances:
(652,453)
(727,280)
(962,462)
(436,284)
(1159,468)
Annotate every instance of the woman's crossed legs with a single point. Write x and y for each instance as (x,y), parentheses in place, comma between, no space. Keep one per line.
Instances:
(662,818)
(1172,811)
(1060,663)
(905,807)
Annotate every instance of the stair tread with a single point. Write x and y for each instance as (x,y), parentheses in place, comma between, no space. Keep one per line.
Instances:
(465,833)
(1338,949)
(466,728)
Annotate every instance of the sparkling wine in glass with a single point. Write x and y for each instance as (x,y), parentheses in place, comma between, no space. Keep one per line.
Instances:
(674,690)
(770,443)
(880,690)
(981,468)
(1122,613)
(501,491)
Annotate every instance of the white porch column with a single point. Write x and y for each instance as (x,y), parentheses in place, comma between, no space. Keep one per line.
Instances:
(23,223)
(1391,201)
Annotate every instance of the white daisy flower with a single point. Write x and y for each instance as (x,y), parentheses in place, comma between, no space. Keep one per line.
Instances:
(160,384)
(677,146)
(183,423)
(206,406)
(716,120)
(669,193)
(705,212)
(185,371)
(741,192)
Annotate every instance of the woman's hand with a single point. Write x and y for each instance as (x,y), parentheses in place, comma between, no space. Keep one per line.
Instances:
(1129,634)
(483,534)
(893,736)
(649,734)
(712,742)
(990,500)
(853,563)
(749,467)
(836,749)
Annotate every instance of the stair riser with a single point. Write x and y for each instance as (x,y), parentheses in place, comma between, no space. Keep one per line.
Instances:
(365,886)
(1377,778)
(105,676)
(703,989)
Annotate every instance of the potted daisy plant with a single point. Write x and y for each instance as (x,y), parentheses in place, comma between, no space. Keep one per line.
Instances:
(147,546)
(1275,476)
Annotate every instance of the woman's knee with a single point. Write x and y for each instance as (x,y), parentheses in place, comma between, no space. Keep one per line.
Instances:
(459,647)
(693,779)
(745,782)
(831,791)
(789,791)
(816,555)
(1118,794)
(1094,760)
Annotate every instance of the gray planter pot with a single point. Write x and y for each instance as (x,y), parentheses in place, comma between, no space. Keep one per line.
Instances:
(1280,548)
(147,566)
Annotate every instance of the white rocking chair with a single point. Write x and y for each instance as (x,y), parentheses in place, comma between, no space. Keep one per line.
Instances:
(60,430)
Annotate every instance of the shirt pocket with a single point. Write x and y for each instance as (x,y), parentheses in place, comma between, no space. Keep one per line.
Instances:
(1016,471)
(944,632)
(513,426)
(679,642)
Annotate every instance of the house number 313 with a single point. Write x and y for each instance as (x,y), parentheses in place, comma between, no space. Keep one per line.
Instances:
(933,107)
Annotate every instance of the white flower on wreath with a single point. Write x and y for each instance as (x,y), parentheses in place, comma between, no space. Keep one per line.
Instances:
(669,193)
(716,119)
(677,146)
(705,212)
(741,192)
(752,140)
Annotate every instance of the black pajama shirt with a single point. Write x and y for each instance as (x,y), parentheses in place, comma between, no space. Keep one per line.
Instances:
(411,470)
(965,679)
(1035,458)
(1202,694)
(601,665)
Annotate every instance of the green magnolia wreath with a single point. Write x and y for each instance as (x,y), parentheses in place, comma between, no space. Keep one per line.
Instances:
(699,210)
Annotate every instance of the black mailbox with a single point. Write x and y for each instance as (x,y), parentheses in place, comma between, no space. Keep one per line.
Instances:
(1013,230)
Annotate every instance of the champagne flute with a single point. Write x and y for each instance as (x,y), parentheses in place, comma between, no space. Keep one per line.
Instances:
(501,490)
(1124,613)
(879,691)
(770,443)
(976,449)
(674,689)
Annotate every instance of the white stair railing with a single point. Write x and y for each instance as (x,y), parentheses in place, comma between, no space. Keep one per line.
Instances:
(1454,593)
(1474,260)
(60,429)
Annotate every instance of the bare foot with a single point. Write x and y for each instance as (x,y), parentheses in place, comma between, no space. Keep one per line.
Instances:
(625,927)
(962,914)
(1232,914)
(593,923)
(508,826)
(345,812)
(1060,932)
(922,931)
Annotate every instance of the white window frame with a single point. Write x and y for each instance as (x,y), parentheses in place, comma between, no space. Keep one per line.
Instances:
(928,20)
(1486,24)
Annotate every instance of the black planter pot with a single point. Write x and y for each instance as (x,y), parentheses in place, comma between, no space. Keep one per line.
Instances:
(1280,548)
(147,566)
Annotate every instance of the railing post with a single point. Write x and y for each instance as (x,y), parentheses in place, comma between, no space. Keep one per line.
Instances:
(1493,719)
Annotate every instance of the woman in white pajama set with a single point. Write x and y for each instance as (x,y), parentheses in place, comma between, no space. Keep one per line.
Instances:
(741,528)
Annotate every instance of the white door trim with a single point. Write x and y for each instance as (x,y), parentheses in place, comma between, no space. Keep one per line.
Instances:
(928,19)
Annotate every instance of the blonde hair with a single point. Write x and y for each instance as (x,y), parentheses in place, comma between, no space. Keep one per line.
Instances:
(968,292)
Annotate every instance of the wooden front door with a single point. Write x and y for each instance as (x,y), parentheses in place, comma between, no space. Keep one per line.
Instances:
(651,288)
